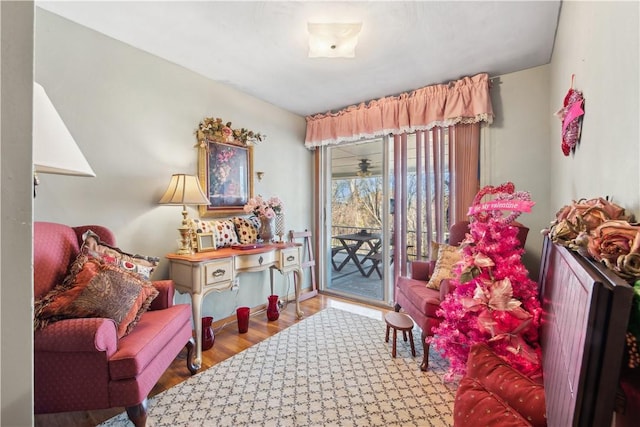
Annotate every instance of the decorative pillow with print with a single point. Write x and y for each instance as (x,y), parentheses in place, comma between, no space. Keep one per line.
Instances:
(97,289)
(448,257)
(93,247)
(435,247)
(199,226)
(224,232)
(247,229)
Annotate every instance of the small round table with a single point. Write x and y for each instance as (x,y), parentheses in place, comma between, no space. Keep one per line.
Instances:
(399,322)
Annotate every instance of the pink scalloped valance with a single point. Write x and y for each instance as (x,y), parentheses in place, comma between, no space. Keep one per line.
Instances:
(464,101)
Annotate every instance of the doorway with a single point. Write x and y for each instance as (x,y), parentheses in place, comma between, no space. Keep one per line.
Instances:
(357,216)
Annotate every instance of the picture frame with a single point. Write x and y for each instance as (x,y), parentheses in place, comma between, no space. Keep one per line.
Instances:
(205,242)
(225,171)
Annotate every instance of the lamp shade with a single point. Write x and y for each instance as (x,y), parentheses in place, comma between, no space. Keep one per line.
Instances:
(184,190)
(54,149)
(333,40)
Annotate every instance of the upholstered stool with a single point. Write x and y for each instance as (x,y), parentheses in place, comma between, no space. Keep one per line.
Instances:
(399,322)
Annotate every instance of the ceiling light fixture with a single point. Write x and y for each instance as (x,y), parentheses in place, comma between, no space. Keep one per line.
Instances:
(333,40)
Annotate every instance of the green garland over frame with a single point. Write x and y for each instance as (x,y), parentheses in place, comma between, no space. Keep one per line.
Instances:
(215,130)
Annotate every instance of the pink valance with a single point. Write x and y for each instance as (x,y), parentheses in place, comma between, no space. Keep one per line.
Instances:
(464,101)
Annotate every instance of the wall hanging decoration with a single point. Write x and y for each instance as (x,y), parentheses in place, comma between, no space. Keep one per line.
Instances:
(571,115)
(225,165)
(215,130)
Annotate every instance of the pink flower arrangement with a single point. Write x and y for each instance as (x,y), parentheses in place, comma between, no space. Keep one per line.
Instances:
(261,207)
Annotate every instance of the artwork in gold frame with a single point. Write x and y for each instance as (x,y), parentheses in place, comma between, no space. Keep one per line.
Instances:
(225,171)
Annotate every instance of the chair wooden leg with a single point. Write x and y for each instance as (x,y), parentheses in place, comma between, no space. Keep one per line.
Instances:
(425,357)
(138,413)
(191,349)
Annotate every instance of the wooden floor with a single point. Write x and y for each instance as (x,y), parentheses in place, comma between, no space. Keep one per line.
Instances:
(227,343)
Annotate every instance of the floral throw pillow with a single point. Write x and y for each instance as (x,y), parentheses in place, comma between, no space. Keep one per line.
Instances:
(97,289)
(224,233)
(139,264)
(448,257)
(247,229)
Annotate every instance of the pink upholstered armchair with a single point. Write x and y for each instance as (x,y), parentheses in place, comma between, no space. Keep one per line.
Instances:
(421,302)
(80,364)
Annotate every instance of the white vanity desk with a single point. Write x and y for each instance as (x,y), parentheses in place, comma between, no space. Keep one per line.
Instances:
(204,272)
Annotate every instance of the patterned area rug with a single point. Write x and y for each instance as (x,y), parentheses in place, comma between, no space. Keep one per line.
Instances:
(332,368)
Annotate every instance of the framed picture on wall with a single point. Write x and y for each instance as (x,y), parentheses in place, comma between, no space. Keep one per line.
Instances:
(225,171)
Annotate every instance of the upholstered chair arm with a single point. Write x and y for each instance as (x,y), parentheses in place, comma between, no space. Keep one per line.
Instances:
(446,287)
(78,335)
(166,292)
(422,270)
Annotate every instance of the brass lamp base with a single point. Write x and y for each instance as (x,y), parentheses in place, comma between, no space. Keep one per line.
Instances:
(185,241)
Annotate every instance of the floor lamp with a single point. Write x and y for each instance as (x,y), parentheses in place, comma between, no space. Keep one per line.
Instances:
(54,149)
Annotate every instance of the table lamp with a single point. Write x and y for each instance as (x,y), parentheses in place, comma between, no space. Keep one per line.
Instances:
(184,190)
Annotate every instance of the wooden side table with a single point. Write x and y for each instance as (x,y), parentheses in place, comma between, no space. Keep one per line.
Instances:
(399,322)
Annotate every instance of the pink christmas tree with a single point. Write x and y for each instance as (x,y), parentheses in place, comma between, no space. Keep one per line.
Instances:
(494,301)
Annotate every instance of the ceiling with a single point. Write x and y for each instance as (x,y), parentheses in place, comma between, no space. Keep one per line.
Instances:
(260,48)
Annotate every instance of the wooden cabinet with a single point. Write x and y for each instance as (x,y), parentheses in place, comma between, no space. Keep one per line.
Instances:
(205,272)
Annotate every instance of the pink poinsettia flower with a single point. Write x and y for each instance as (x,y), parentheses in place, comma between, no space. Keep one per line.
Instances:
(483,261)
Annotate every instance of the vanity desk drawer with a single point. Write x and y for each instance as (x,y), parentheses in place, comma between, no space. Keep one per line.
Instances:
(289,257)
(258,261)
(219,272)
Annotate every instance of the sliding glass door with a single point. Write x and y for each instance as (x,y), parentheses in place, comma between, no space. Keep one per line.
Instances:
(357,209)
(384,201)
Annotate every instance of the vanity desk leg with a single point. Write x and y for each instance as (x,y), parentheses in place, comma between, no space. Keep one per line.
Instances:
(296,285)
(196,307)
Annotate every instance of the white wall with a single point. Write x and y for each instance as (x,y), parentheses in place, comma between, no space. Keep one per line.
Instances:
(515,148)
(134,116)
(598,42)
(16,199)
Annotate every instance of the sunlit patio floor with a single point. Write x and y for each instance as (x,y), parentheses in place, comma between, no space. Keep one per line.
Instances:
(349,280)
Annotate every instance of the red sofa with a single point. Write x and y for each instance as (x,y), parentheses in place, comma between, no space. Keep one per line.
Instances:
(420,302)
(80,364)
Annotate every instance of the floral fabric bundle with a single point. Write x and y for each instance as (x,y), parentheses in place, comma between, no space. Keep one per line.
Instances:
(578,218)
(617,245)
(600,230)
